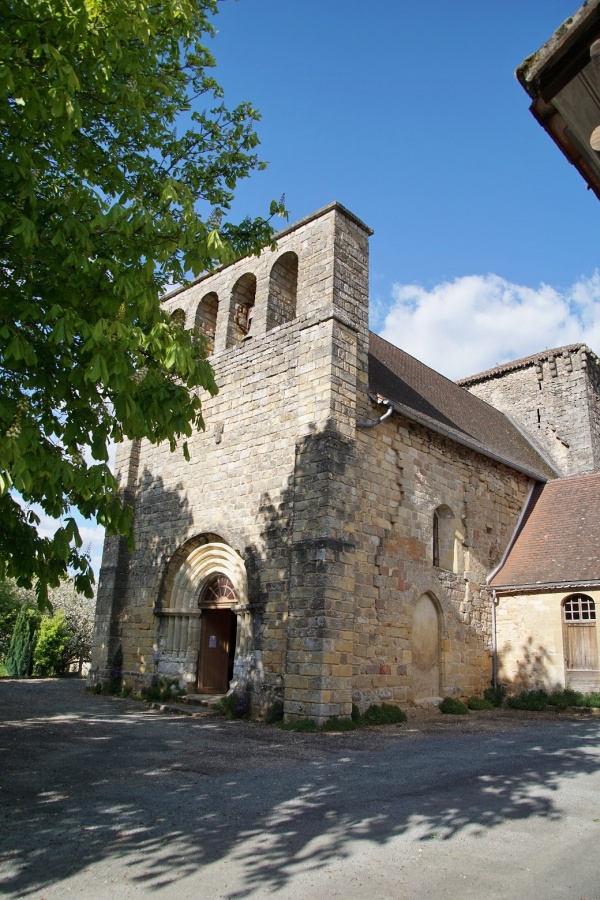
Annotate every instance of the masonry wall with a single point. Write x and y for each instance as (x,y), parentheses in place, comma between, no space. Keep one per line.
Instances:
(556,399)
(273,477)
(405,474)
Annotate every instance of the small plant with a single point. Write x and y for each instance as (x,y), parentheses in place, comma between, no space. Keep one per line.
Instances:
(479,703)
(382,714)
(126,691)
(453,707)
(535,701)
(234,705)
(496,696)
(159,690)
(98,687)
(274,713)
(355,713)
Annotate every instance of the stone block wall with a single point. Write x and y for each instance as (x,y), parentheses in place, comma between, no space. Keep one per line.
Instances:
(555,398)
(272,477)
(405,473)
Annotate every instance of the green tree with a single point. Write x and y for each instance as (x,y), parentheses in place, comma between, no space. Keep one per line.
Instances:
(107,196)
(49,655)
(20,652)
(12,599)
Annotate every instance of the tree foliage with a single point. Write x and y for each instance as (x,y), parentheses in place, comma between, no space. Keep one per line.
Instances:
(107,196)
(20,652)
(12,599)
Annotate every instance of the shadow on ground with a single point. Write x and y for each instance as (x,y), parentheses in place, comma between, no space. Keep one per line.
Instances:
(87,779)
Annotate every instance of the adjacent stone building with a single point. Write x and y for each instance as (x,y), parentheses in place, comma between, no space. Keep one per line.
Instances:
(547,590)
(330,540)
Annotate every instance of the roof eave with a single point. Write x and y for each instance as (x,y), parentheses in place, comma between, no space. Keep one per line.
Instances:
(413,416)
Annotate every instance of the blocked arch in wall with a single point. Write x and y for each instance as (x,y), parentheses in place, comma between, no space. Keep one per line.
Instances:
(426,647)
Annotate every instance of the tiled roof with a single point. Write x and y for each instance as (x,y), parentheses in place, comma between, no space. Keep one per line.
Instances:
(425,396)
(559,539)
(523,363)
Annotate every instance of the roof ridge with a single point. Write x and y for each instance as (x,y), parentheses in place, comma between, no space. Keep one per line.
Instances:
(524,361)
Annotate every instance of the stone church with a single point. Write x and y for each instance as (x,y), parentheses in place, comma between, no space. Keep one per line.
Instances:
(333,537)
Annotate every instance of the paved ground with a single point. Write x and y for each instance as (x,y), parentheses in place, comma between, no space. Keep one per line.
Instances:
(105,798)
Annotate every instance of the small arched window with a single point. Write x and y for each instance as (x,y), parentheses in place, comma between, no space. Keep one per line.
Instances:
(206,320)
(579,608)
(243,297)
(283,288)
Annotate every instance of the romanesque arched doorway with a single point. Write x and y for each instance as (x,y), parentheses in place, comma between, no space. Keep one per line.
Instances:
(204,619)
(425,649)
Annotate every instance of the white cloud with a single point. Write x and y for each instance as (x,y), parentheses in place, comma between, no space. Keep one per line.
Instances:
(478,321)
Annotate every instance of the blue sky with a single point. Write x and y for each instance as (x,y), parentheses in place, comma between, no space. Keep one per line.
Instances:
(409,114)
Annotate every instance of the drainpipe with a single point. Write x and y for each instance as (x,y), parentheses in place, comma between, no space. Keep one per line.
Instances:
(364,424)
(494,644)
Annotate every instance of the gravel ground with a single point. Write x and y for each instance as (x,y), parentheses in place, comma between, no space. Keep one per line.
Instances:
(112,798)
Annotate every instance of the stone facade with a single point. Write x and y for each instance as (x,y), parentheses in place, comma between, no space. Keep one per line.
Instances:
(555,397)
(325,562)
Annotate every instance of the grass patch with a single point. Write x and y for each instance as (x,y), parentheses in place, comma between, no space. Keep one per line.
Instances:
(336,724)
(377,714)
(302,725)
(453,707)
(479,703)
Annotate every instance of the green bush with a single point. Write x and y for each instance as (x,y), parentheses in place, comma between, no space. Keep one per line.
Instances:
(496,696)
(564,699)
(535,701)
(453,707)
(49,654)
(479,703)
(19,659)
(382,714)
(590,700)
